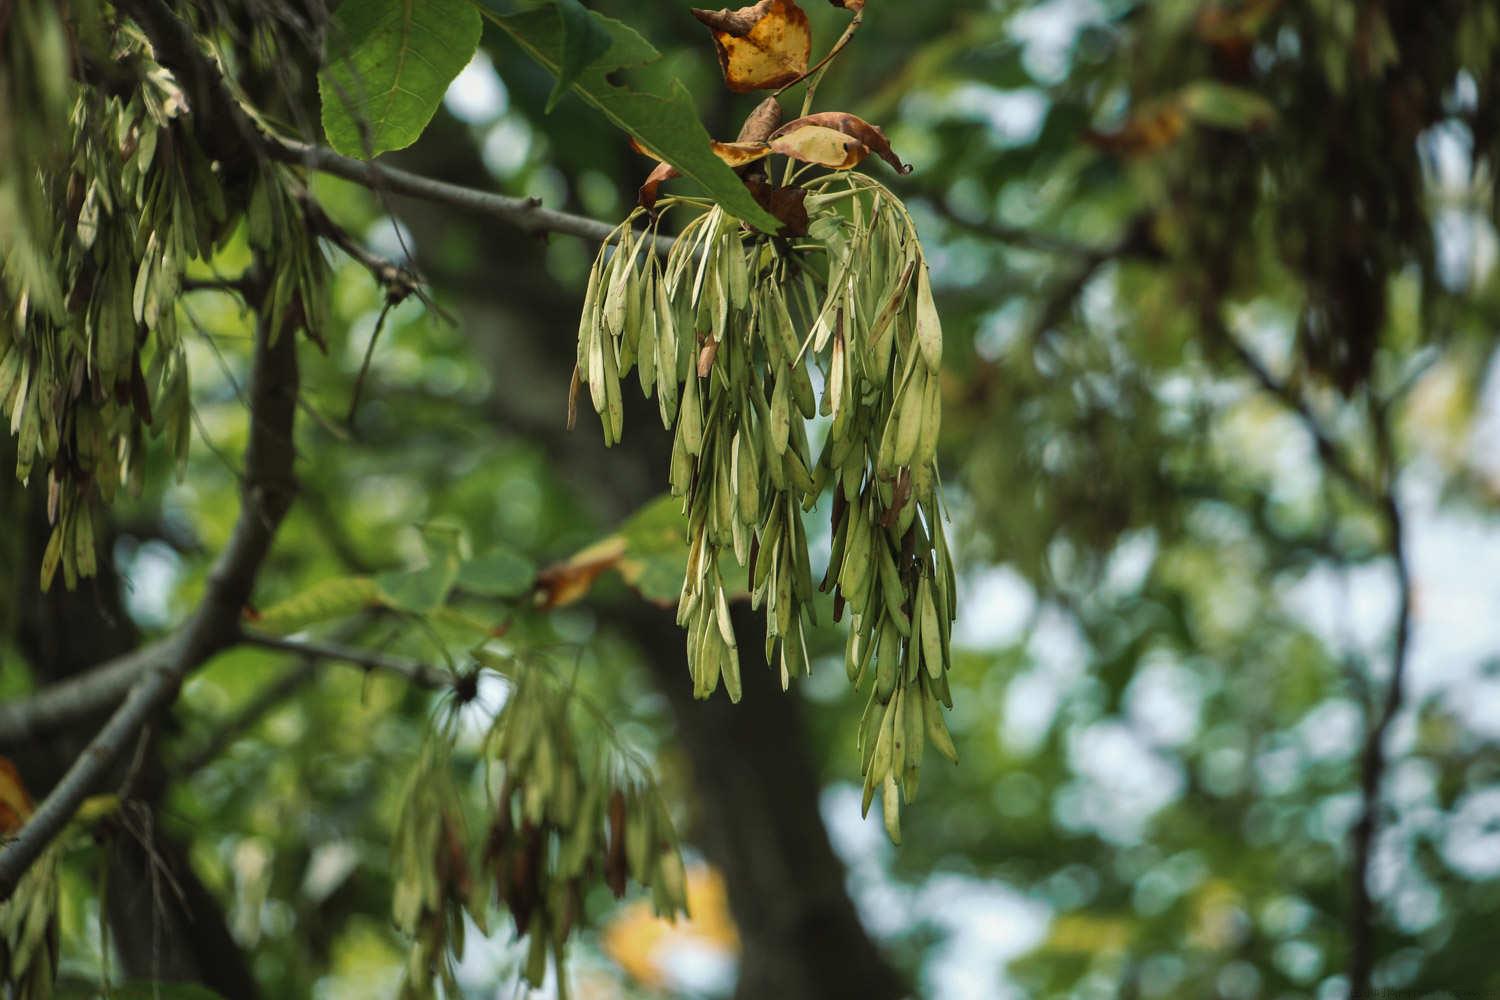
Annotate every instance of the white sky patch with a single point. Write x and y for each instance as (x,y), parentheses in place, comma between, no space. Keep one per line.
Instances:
(477,95)
(985,923)
(1124,782)
(1163,701)
(1011,117)
(994,606)
(1049,31)
(507,146)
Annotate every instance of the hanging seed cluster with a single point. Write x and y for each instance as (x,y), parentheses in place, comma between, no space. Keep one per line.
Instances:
(734,332)
(29,932)
(565,814)
(108,203)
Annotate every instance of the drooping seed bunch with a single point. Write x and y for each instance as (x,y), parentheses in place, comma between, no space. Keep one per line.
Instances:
(731,332)
(106,203)
(569,809)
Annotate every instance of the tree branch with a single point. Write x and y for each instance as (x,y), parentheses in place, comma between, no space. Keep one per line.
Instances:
(1378,492)
(1372,762)
(1328,450)
(268,490)
(66,703)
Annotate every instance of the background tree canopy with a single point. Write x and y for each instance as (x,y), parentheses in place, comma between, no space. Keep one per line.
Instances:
(335,664)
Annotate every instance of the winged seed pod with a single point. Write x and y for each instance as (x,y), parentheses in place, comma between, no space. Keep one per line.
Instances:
(735,327)
(91,356)
(572,806)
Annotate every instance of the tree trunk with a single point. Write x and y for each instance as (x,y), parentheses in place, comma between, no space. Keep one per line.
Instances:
(163,921)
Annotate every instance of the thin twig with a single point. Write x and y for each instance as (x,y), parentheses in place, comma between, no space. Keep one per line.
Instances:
(1328,449)
(364,366)
(418,673)
(838,46)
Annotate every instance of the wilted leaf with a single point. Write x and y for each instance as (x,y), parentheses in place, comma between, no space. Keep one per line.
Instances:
(667,124)
(651,188)
(762,46)
(823,146)
(390,61)
(565,582)
(760,123)
(852,126)
(15,803)
(1148,130)
(789,204)
(737,154)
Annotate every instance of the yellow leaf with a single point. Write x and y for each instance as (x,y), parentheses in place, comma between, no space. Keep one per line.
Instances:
(761,47)
(642,942)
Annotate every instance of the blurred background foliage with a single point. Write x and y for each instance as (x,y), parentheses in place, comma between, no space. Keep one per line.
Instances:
(1176,624)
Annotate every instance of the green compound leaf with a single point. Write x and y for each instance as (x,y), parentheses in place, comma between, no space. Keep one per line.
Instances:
(390,61)
(667,125)
(584,40)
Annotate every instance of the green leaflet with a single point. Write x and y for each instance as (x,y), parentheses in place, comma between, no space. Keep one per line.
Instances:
(666,125)
(584,40)
(389,63)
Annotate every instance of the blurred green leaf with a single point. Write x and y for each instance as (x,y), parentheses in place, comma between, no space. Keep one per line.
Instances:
(500,572)
(1223,106)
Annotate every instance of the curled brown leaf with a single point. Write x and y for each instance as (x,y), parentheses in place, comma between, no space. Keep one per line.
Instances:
(850,125)
(824,146)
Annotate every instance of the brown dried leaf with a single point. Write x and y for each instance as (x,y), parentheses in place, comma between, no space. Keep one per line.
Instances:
(654,180)
(565,582)
(15,804)
(854,6)
(763,46)
(817,144)
(787,204)
(761,122)
(1149,130)
(852,126)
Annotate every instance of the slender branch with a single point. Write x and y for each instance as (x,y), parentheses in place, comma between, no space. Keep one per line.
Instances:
(267,495)
(1379,493)
(526,214)
(418,673)
(67,703)
(1019,236)
(1372,763)
(1328,449)
(233,134)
